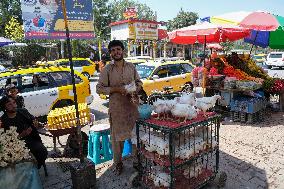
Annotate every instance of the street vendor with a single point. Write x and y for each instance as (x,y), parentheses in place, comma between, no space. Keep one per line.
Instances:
(123,111)
(26,126)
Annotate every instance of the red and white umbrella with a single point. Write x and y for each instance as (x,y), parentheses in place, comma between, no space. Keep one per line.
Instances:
(208,33)
(259,20)
(216,46)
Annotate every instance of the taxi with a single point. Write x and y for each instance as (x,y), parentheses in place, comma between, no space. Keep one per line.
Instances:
(51,89)
(83,65)
(156,75)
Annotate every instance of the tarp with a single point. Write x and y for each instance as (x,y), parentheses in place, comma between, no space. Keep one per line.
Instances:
(21,176)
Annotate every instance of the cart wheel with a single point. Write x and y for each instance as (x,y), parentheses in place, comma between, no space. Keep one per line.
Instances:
(134,180)
(221,179)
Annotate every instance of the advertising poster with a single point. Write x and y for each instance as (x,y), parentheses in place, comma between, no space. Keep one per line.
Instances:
(143,30)
(43,19)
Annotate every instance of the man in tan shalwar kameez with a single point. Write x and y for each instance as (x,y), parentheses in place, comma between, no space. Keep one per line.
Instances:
(123,112)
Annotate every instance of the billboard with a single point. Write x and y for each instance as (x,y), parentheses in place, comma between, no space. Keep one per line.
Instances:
(43,19)
(143,30)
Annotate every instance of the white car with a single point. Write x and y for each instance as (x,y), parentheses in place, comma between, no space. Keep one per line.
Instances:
(275,59)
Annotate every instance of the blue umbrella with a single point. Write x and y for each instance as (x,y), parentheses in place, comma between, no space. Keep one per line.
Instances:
(4,41)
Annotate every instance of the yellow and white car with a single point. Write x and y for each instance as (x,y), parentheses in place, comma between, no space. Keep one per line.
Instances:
(52,91)
(83,65)
(157,75)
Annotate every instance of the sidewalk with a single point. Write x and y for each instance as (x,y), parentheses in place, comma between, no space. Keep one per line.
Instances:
(251,155)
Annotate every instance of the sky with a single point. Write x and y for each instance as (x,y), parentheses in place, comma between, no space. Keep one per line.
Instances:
(168,9)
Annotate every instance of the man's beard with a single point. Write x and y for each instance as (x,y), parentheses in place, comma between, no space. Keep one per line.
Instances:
(117,59)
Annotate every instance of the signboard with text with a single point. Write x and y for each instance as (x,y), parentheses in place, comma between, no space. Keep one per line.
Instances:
(43,19)
(143,30)
(130,12)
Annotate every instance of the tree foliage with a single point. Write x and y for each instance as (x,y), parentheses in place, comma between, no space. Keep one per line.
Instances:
(227,46)
(8,9)
(182,19)
(14,30)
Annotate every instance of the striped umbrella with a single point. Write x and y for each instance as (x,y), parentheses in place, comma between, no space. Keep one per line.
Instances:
(267,29)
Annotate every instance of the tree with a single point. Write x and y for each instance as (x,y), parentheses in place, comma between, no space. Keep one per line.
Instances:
(8,9)
(227,46)
(182,19)
(14,30)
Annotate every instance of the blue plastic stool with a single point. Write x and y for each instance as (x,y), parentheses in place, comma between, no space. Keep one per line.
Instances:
(99,147)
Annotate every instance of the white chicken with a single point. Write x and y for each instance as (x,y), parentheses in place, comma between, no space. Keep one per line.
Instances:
(184,111)
(186,98)
(190,148)
(193,171)
(131,87)
(159,107)
(156,144)
(206,103)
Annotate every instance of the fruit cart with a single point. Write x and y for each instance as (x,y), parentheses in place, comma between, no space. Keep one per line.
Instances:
(62,121)
(178,155)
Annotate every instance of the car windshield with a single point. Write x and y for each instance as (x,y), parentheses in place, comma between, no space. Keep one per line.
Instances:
(258,57)
(144,71)
(278,55)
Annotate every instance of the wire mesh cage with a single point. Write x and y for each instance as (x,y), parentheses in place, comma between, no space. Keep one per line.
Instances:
(175,155)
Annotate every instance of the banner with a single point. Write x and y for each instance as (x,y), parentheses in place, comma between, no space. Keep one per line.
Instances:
(43,19)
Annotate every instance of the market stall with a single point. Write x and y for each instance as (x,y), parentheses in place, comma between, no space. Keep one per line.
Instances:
(245,88)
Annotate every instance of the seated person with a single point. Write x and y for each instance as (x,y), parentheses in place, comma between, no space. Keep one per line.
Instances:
(26,127)
(37,82)
(13,91)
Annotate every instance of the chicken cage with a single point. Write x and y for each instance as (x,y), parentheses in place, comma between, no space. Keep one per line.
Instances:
(178,155)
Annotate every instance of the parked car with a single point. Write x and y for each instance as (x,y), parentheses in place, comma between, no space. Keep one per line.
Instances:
(53,88)
(83,65)
(275,59)
(159,74)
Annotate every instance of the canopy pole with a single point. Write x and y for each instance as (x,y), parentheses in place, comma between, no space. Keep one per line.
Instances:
(73,81)
(253,42)
(204,78)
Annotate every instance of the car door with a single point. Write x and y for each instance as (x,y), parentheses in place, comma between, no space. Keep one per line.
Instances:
(162,80)
(38,99)
(175,76)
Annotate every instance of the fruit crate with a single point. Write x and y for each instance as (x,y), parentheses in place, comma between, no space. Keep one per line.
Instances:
(248,105)
(178,155)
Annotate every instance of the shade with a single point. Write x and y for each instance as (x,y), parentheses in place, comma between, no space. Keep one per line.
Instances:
(207,33)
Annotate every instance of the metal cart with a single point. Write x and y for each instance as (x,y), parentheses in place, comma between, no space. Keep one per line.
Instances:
(173,155)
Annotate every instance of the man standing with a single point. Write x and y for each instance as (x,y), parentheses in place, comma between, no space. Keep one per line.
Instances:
(123,112)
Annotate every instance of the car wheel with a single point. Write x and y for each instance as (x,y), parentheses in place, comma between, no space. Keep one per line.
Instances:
(86,74)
